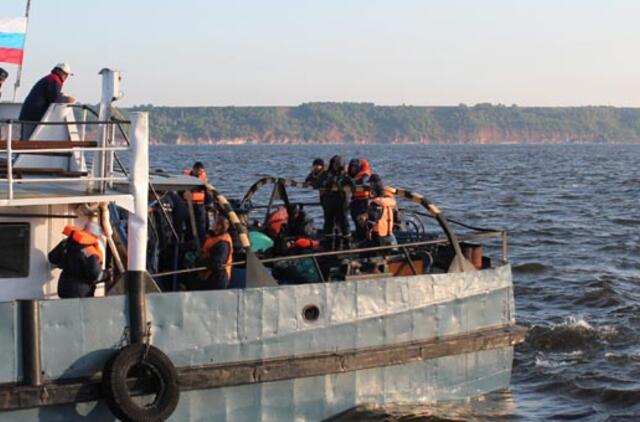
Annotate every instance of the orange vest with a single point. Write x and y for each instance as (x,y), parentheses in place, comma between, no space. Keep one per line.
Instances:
(210,243)
(275,222)
(306,243)
(365,171)
(198,195)
(384,226)
(88,240)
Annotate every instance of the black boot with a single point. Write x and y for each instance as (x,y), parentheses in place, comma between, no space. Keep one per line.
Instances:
(345,243)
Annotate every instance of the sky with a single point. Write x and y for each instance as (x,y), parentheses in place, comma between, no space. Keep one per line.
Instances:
(287,52)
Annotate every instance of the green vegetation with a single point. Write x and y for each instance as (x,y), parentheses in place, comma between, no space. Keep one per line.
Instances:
(368,123)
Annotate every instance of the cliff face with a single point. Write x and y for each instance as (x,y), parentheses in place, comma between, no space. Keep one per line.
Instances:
(319,123)
(482,136)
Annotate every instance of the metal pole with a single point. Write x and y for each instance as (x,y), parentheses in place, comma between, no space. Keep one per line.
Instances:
(137,231)
(271,199)
(137,306)
(19,74)
(112,142)
(318,269)
(408,257)
(505,247)
(31,354)
(83,128)
(10,159)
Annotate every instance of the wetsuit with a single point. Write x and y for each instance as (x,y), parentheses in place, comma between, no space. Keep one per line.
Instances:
(334,204)
(314,178)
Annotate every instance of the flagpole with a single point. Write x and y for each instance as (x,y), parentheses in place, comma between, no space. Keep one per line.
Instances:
(19,74)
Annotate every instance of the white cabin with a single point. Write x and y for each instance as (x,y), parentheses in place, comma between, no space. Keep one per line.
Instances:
(45,180)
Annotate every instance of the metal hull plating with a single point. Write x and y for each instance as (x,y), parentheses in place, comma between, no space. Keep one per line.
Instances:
(321,397)
(220,327)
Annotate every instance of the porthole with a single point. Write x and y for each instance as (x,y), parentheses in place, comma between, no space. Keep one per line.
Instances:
(311,313)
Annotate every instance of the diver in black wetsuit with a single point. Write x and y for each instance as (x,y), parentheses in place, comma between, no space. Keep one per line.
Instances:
(335,203)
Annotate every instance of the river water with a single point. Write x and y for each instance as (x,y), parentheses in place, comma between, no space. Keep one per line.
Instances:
(572,216)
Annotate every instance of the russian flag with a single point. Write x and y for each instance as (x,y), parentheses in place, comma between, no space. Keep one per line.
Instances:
(12,34)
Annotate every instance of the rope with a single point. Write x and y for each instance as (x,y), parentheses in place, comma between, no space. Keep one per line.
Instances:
(231,215)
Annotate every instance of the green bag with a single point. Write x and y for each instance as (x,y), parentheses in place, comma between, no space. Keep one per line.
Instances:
(259,241)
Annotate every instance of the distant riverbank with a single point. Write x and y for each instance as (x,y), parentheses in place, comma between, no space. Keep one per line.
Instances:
(363,123)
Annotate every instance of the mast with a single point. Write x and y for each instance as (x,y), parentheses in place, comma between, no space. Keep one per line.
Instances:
(19,74)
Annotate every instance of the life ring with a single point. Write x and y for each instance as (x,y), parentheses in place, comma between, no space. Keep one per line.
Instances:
(146,362)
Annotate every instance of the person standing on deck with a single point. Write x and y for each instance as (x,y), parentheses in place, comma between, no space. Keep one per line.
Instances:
(380,214)
(334,204)
(315,175)
(46,91)
(80,257)
(3,77)
(359,172)
(200,199)
(217,254)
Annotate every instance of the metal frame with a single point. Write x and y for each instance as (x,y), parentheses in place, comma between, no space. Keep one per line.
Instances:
(104,179)
(315,255)
(460,263)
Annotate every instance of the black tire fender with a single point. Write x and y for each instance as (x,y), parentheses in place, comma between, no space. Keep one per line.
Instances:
(140,358)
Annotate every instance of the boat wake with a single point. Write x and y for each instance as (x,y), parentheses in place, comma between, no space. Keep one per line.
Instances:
(530,268)
(571,334)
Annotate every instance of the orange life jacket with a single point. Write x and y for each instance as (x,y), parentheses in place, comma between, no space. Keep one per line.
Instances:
(306,243)
(211,242)
(365,171)
(90,242)
(275,222)
(384,226)
(197,195)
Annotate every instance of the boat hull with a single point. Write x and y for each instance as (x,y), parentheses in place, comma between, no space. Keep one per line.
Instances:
(202,331)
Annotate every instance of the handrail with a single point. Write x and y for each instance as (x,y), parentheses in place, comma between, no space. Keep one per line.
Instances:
(73,149)
(11,147)
(484,235)
(79,122)
(67,179)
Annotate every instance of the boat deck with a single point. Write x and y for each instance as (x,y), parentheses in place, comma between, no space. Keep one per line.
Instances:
(58,193)
(75,191)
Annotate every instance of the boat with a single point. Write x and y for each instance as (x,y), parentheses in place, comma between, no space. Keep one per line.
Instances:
(428,320)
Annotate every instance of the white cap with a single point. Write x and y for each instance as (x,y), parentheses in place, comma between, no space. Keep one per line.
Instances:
(64,67)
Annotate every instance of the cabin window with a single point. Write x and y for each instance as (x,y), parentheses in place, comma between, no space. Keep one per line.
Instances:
(14,250)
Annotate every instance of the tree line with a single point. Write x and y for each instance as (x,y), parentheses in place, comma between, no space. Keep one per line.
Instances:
(369,123)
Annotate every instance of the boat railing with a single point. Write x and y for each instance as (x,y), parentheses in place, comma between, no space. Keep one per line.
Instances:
(96,180)
(401,247)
